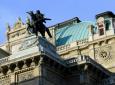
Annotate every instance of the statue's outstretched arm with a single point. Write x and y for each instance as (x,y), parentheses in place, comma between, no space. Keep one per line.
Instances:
(47,19)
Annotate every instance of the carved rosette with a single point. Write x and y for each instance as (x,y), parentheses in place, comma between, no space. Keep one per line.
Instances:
(103,54)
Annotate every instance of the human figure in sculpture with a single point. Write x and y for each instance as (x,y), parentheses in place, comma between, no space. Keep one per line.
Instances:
(37,24)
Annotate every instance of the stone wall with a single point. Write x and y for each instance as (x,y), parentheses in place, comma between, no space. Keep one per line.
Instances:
(52,76)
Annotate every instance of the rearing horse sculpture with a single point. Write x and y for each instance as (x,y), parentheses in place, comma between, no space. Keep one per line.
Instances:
(36,25)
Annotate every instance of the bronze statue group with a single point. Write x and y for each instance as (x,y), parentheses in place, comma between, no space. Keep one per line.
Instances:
(37,24)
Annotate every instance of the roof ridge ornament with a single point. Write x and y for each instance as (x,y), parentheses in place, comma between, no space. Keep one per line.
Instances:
(77,19)
(18,24)
(8,27)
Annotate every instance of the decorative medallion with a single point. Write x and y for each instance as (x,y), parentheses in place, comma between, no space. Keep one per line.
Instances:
(103,54)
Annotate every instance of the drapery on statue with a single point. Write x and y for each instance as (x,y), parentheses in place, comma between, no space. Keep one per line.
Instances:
(36,24)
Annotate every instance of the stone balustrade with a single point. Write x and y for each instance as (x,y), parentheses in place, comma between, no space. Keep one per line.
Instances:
(77,60)
(72,45)
(82,59)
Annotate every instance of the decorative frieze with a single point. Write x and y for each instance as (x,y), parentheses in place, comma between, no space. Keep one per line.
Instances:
(5,80)
(25,75)
(18,65)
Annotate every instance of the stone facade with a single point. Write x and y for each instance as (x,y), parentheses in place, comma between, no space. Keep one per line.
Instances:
(27,60)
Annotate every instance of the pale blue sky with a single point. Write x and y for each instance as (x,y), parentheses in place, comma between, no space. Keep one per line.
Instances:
(57,10)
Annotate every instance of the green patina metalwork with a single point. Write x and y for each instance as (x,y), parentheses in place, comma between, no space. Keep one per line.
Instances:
(73,32)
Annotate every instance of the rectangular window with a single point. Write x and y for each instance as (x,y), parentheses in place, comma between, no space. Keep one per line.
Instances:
(107,24)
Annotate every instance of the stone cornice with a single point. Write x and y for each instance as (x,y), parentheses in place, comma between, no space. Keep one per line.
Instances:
(8,61)
(68,47)
(101,39)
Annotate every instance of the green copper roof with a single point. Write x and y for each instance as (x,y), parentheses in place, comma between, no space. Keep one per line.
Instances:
(73,32)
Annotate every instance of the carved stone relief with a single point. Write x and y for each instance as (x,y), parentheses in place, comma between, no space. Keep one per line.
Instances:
(5,81)
(103,54)
(28,43)
(25,76)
